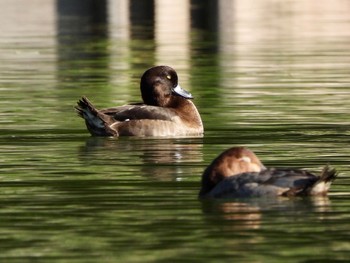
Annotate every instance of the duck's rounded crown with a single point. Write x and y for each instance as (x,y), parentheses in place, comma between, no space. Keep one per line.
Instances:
(159,85)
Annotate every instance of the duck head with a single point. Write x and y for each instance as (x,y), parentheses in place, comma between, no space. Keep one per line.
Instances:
(231,162)
(159,87)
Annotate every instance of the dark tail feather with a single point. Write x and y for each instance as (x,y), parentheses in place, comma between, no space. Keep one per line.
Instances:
(323,184)
(85,105)
(96,122)
(328,174)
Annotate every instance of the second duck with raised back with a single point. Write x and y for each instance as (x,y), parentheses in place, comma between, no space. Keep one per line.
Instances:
(166,110)
(238,172)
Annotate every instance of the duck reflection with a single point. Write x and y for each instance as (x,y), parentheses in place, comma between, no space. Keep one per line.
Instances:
(240,215)
(156,158)
(250,213)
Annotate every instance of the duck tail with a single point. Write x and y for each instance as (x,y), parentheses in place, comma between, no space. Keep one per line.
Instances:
(84,108)
(323,184)
(97,122)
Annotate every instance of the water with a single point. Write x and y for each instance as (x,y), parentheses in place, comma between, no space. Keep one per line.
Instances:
(272,76)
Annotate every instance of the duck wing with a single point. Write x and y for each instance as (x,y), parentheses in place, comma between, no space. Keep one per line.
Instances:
(245,185)
(274,182)
(139,111)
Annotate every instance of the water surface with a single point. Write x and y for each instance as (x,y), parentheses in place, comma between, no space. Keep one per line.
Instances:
(271,76)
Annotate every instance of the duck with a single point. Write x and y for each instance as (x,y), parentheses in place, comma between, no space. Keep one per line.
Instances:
(166,110)
(238,173)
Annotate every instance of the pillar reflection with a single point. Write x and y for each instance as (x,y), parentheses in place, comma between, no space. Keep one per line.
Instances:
(141,21)
(204,50)
(204,15)
(119,48)
(226,40)
(81,35)
(172,37)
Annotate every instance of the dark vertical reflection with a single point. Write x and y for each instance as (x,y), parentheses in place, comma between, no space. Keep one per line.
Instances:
(204,50)
(204,15)
(142,19)
(82,45)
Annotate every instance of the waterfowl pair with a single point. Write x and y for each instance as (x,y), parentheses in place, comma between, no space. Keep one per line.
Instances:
(238,172)
(166,110)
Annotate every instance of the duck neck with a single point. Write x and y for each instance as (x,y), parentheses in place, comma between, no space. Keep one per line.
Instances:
(189,112)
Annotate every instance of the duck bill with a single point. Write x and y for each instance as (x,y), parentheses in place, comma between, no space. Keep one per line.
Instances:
(181,92)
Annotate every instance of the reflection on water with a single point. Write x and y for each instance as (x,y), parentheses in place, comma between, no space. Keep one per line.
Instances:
(81,37)
(270,75)
(155,157)
(245,214)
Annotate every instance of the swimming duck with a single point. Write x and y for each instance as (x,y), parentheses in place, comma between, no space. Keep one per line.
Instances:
(166,110)
(238,172)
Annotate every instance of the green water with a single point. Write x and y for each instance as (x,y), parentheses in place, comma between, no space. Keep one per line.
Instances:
(277,83)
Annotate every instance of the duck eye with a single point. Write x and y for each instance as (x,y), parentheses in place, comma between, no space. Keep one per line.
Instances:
(168,76)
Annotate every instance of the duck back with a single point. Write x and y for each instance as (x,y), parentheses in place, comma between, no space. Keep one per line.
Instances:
(274,182)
